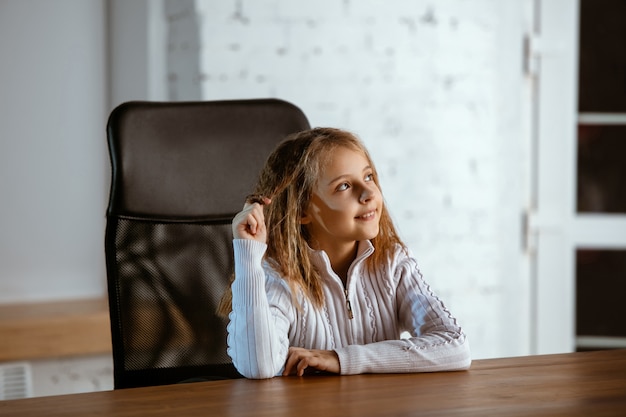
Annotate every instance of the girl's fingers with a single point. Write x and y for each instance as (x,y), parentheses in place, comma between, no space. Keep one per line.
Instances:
(292,360)
(299,359)
(249,223)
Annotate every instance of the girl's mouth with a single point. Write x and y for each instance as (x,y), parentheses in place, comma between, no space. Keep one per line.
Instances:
(367,216)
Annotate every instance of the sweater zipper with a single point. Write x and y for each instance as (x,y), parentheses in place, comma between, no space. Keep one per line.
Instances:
(348,305)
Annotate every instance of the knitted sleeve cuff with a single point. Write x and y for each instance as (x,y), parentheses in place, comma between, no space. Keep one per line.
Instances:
(249,284)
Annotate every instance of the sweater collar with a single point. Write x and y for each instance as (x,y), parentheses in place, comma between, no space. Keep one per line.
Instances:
(322,262)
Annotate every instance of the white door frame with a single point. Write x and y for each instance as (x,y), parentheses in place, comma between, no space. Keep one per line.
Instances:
(554,45)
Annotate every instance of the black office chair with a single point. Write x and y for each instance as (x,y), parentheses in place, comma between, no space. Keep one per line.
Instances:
(180,172)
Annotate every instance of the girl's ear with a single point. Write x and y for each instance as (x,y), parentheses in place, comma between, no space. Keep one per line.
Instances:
(305,219)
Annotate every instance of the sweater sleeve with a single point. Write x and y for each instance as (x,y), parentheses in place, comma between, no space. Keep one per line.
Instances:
(436,343)
(257,332)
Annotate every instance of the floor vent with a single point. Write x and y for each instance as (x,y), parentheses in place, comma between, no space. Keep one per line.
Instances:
(15,381)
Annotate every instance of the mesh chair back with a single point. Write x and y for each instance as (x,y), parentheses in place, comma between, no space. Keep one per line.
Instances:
(180,171)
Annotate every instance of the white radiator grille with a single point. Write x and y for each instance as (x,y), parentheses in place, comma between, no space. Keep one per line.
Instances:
(15,381)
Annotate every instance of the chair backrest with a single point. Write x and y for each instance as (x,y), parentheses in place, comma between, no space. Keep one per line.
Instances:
(180,172)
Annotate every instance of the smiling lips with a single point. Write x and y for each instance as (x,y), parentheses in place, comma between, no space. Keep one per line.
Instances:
(367,216)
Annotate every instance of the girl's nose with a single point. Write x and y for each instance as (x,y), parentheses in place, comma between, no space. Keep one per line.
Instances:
(366,195)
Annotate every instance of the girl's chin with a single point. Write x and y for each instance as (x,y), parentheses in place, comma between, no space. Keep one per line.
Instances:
(370,236)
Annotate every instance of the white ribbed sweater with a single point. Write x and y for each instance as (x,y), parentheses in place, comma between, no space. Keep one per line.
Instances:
(264,322)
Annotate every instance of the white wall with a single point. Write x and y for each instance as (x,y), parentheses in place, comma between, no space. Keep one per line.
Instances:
(138,51)
(54,173)
(436,90)
(52,149)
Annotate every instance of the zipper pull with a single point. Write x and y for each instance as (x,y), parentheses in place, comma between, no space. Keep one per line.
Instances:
(348,306)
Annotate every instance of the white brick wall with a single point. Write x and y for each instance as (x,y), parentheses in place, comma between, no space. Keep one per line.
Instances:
(434,89)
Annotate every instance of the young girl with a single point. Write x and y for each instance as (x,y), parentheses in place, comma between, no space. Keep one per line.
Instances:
(322,280)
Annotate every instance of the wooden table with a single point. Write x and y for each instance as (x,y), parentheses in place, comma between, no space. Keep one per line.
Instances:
(585,384)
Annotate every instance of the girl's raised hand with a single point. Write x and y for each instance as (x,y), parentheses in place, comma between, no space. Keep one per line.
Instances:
(249,223)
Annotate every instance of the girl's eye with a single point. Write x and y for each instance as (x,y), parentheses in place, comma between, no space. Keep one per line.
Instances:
(369,177)
(342,187)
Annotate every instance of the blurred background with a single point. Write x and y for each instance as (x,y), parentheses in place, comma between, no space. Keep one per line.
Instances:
(498,128)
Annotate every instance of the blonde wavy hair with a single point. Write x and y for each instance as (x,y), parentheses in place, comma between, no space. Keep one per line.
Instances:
(288,178)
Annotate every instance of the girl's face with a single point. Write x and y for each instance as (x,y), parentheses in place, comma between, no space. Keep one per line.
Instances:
(346,203)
